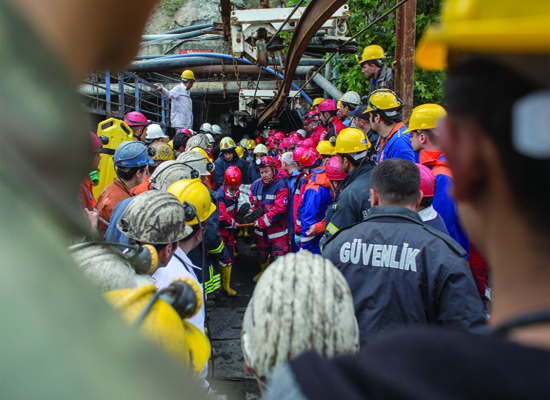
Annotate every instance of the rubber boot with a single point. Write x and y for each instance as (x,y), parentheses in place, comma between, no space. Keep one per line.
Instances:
(226,277)
(253,246)
(240,234)
(247,232)
(264,266)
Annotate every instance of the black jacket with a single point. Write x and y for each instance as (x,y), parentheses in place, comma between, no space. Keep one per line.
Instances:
(403,272)
(384,79)
(353,202)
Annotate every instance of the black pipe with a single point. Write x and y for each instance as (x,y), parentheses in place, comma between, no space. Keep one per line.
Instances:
(188,29)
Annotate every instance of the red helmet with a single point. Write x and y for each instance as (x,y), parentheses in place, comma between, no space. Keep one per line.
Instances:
(259,140)
(293,141)
(96,143)
(310,158)
(135,118)
(311,116)
(297,154)
(267,161)
(233,176)
(272,132)
(327,105)
(279,136)
(334,169)
(286,144)
(427,181)
(309,143)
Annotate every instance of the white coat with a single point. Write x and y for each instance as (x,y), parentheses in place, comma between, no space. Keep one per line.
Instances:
(182,107)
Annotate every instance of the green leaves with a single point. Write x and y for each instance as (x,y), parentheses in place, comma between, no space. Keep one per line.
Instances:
(428,85)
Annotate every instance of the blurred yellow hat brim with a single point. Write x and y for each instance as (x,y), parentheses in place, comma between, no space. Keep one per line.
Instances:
(529,35)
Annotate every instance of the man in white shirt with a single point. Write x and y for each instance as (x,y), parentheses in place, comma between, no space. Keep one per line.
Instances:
(182,106)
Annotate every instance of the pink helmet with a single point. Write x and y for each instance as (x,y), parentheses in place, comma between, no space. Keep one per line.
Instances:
(272,132)
(135,118)
(186,131)
(296,136)
(427,181)
(334,169)
(311,116)
(286,144)
(293,141)
(309,143)
(297,154)
(327,105)
(96,143)
(279,136)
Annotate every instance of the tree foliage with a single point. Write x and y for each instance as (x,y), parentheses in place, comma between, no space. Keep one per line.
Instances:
(428,85)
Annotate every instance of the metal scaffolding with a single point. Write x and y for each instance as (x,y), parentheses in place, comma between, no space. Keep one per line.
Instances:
(102,90)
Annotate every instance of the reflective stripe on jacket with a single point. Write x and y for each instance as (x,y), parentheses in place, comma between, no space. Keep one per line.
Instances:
(315,201)
(273,199)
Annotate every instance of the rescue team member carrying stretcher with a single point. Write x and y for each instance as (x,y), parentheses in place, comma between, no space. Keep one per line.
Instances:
(270,195)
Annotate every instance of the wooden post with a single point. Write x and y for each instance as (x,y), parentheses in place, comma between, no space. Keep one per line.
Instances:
(405,32)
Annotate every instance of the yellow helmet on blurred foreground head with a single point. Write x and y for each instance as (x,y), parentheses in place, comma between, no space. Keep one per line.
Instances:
(163,325)
(488,26)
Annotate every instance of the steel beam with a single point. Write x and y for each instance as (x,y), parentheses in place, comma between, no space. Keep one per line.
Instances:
(405,32)
(313,17)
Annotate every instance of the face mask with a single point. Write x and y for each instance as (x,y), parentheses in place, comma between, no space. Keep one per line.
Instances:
(258,161)
(229,194)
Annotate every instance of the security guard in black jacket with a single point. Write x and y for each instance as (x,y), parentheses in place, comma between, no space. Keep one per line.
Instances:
(354,200)
(401,271)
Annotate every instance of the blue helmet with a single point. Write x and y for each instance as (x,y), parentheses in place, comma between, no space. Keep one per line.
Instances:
(132,154)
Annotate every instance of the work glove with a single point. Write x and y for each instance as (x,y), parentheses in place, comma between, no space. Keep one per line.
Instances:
(253,216)
(241,213)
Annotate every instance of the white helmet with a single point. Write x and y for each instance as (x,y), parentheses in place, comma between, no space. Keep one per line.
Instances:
(199,140)
(351,97)
(206,127)
(242,143)
(261,149)
(197,161)
(216,130)
(154,131)
(301,303)
(265,133)
(169,172)
(210,138)
(302,133)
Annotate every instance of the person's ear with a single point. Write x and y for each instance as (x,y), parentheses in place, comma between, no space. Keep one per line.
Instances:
(420,197)
(461,142)
(423,138)
(374,199)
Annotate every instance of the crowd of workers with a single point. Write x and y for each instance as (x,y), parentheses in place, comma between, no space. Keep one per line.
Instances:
(367,229)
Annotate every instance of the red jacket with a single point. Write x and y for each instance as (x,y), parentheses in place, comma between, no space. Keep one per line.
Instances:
(107,201)
(86,194)
(227,210)
(318,132)
(273,198)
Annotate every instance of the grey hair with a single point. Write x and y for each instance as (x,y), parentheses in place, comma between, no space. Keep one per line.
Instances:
(287,158)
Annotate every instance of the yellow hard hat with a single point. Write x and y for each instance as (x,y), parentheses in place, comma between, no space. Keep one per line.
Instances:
(240,151)
(202,151)
(187,75)
(486,26)
(250,144)
(339,104)
(316,102)
(351,140)
(171,143)
(425,117)
(385,100)
(227,144)
(325,148)
(163,326)
(372,52)
(196,193)
(163,152)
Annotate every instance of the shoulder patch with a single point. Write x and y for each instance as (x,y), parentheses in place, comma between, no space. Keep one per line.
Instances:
(453,244)
(334,206)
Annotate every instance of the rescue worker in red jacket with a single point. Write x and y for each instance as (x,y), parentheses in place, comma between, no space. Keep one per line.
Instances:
(270,194)
(316,199)
(227,209)
(312,125)
(85,192)
(296,195)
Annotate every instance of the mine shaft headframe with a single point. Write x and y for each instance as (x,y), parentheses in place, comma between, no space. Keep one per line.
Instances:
(253,29)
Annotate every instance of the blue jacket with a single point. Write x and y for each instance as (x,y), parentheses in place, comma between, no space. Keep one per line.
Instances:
(443,202)
(113,234)
(221,165)
(315,202)
(253,172)
(397,146)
